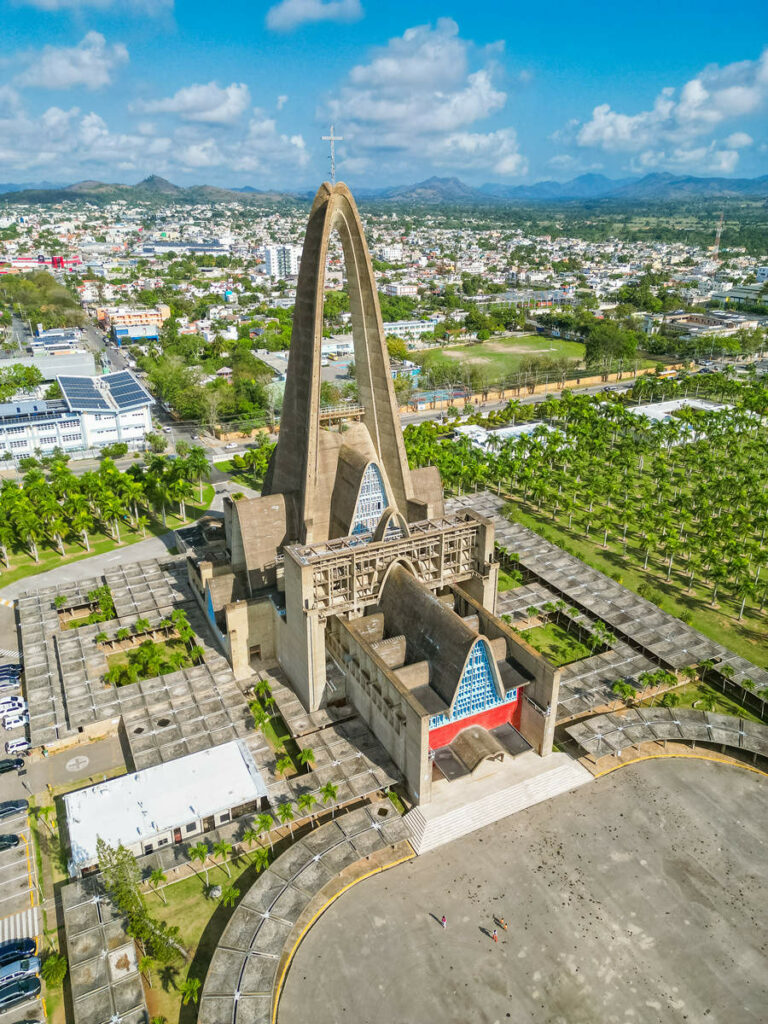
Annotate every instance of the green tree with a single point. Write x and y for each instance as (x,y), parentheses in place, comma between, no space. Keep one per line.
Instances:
(156,879)
(223,849)
(54,969)
(190,990)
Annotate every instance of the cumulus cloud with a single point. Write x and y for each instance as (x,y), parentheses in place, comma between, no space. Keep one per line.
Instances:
(90,64)
(289,14)
(209,104)
(667,134)
(281,101)
(79,144)
(739,140)
(418,100)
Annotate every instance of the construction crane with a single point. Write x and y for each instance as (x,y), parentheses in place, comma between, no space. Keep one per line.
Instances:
(716,246)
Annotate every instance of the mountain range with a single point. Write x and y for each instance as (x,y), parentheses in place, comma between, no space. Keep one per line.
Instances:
(432,191)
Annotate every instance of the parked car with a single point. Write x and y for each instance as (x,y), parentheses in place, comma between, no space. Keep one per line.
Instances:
(10,704)
(16,949)
(17,746)
(232,444)
(8,841)
(16,720)
(13,669)
(9,809)
(18,992)
(24,968)
(10,764)
(9,685)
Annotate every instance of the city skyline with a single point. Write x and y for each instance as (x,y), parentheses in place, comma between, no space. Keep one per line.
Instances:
(94,89)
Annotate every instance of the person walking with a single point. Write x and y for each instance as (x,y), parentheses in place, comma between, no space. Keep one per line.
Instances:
(443,921)
(495,935)
(503,923)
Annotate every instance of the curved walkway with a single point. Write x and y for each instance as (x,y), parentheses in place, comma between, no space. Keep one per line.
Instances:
(249,965)
(614,732)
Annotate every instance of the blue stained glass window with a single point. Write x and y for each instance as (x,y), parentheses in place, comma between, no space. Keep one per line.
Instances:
(477,690)
(371,501)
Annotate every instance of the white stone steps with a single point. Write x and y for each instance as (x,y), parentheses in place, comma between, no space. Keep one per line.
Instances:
(23,925)
(429,831)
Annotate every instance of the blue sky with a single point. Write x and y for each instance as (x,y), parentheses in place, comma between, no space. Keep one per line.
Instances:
(240,92)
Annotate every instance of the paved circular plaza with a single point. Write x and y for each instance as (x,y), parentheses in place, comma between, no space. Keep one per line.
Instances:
(641,897)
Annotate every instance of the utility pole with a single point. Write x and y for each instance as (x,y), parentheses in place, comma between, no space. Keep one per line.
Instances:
(333,139)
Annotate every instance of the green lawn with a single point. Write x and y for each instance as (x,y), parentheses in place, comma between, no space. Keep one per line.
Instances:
(747,638)
(507,582)
(500,357)
(241,476)
(558,646)
(22,564)
(201,922)
(690,693)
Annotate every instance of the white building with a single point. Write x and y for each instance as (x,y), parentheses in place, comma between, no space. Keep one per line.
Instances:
(166,804)
(94,412)
(282,260)
(409,328)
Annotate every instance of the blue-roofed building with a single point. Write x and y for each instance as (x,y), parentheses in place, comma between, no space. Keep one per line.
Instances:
(93,412)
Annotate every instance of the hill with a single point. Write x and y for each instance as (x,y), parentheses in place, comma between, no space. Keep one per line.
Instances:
(432,191)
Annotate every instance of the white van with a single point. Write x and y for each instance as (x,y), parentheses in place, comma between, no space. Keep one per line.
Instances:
(19,746)
(15,721)
(13,703)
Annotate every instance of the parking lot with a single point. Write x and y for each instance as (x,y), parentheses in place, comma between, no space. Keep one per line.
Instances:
(19,917)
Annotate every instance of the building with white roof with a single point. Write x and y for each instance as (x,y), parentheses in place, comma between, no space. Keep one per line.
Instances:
(165,804)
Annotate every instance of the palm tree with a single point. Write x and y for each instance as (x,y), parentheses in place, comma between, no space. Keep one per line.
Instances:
(141,524)
(263,689)
(265,823)
(229,896)
(156,879)
(145,967)
(285,814)
(329,792)
(200,852)
(197,466)
(260,716)
(223,849)
(141,626)
(306,802)
(250,836)
(283,765)
(261,858)
(190,990)
(306,756)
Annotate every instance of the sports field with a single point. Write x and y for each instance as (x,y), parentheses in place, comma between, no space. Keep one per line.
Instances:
(500,357)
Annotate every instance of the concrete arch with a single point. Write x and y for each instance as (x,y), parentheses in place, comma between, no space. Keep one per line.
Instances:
(404,563)
(391,513)
(296,465)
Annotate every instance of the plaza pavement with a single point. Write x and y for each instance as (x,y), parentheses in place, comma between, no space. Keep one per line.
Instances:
(642,898)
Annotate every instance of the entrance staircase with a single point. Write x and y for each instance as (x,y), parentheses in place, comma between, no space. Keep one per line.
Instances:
(446,819)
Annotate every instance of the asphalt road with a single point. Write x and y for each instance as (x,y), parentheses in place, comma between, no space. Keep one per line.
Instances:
(641,897)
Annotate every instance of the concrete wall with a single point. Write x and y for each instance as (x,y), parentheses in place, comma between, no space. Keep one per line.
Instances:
(393,715)
(540,696)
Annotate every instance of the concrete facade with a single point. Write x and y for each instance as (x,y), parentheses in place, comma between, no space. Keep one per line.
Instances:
(346,550)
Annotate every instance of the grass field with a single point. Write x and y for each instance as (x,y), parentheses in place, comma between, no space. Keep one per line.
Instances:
(691,693)
(500,357)
(557,646)
(747,638)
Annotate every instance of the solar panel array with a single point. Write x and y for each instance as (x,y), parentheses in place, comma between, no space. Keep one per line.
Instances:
(82,395)
(125,390)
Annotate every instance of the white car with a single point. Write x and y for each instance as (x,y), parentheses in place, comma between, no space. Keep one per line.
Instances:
(19,746)
(9,685)
(9,704)
(232,444)
(15,721)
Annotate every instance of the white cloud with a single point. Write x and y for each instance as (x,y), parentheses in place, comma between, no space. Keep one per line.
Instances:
(667,134)
(289,14)
(281,101)
(208,104)
(739,140)
(146,7)
(76,144)
(418,99)
(90,64)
